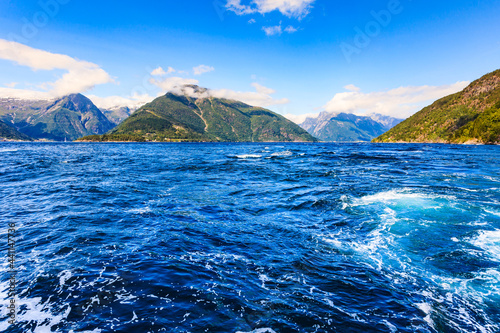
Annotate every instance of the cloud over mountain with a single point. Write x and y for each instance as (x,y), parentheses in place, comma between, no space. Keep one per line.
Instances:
(80,75)
(400,102)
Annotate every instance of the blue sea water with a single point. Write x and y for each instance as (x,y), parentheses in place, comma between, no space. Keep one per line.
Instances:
(251,237)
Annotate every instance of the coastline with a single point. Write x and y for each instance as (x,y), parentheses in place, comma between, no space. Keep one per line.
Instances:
(263,142)
(466,143)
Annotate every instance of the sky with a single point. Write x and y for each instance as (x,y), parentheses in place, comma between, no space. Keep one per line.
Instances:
(295,57)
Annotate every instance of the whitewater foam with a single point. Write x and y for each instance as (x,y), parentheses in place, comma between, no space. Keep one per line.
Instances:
(427,309)
(33,310)
(489,241)
(282,154)
(8,150)
(63,277)
(259,330)
(390,196)
(248,156)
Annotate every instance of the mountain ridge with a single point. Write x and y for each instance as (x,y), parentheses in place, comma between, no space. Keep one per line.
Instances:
(347,127)
(118,114)
(200,117)
(10,133)
(66,118)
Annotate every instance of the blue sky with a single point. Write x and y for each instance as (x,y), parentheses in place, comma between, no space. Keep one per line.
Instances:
(292,56)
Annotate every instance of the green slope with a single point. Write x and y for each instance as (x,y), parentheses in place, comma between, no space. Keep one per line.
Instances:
(8,132)
(470,116)
(181,118)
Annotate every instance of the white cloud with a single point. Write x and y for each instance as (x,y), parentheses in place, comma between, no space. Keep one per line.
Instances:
(263,90)
(111,102)
(173,84)
(261,97)
(201,69)
(24,94)
(299,119)
(290,8)
(351,87)
(251,21)
(278,30)
(80,77)
(400,102)
(238,8)
(271,31)
(160,71)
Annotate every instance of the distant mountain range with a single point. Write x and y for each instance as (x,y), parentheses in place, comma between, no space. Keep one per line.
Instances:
(118,114)
(183,117)
(67,118)
(469,116)
(345,127)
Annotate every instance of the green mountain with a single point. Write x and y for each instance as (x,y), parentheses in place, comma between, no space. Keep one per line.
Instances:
(9,133)
(345,127)
(470,116)
(68,118)
(175,117)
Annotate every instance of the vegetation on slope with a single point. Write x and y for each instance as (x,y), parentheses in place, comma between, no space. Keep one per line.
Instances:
(470,116)
(182,118)
(8,132)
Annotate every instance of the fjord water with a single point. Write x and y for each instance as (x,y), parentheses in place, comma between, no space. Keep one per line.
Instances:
(252,237)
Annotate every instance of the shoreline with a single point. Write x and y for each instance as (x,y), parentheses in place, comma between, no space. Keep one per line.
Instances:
(467,143)
(263,142)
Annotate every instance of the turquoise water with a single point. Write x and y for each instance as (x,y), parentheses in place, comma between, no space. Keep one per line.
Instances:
(251,237)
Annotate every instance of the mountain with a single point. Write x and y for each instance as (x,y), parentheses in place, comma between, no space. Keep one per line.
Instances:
(345,127)
(387,122)
(67,118)
(469,116)
(9,133)
(118,114)
(199,117)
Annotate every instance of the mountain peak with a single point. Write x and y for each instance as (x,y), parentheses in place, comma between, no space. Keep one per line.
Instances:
(66,118)
(78,99)
(343,126)
(196,89)
(175,117)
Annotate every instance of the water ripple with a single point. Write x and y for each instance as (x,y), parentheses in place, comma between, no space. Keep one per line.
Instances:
(252,237)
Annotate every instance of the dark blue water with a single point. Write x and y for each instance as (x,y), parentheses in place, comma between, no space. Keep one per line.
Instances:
(251,237)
